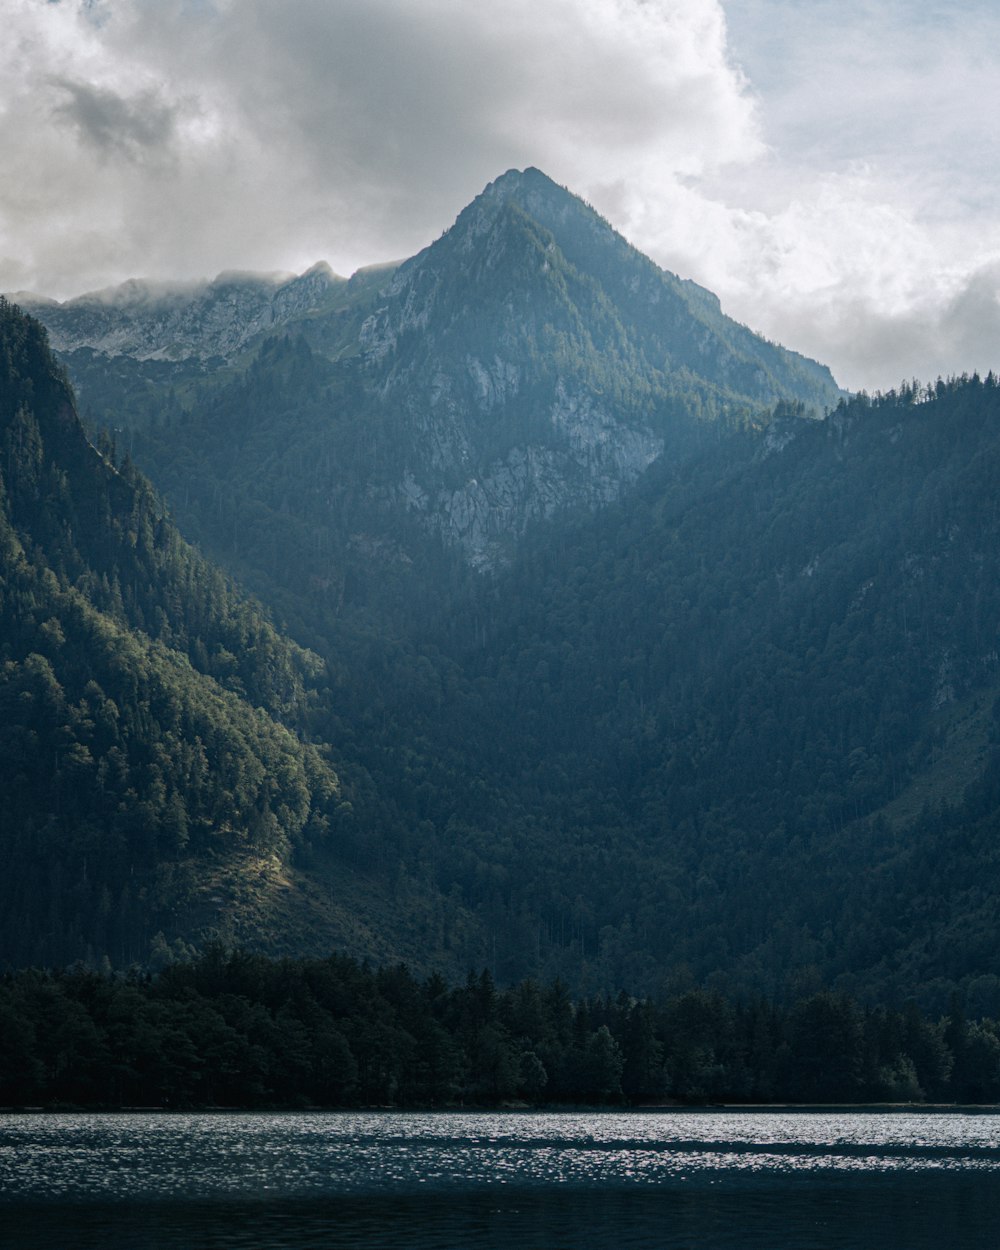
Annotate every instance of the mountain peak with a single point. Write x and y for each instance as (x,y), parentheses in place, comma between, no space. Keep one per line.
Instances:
(522,180)
(539,363)
(536,193)
(322,269)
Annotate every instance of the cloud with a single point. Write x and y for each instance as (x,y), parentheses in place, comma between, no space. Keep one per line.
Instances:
(956,333)
(828,169)
(180,138)
(112,124)
(877,207)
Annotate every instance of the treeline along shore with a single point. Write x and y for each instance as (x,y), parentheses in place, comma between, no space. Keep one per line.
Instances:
(232,1029)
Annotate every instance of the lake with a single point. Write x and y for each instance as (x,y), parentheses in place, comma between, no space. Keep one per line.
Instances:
(703,1180)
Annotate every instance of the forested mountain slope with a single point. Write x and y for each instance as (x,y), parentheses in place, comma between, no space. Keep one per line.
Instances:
(757,707)
(150,716)
(737,727)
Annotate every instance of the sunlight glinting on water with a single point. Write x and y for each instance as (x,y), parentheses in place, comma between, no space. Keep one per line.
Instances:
(137,1156)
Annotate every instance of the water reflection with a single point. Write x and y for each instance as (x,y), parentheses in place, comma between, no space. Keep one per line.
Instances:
(807,1216)
(714,1180)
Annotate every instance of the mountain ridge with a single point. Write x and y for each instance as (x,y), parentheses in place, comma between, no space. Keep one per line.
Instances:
(172,321)
(528,363)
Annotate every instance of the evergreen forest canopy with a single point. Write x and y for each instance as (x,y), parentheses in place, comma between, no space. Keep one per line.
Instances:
(149,711)
(723,712)
(236,1030)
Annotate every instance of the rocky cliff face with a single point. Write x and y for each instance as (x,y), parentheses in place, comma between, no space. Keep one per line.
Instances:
(589,461)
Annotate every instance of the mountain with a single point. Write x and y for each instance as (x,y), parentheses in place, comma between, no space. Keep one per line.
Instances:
(528,364)
(648,658)
(540,364)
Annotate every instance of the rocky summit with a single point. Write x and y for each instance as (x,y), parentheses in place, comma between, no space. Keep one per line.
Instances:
(538,364)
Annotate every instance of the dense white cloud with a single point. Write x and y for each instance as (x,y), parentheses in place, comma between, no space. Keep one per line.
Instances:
(827,169)
(180,136)
(880,200)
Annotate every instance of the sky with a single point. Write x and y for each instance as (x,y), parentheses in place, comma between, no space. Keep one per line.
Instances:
(830,169)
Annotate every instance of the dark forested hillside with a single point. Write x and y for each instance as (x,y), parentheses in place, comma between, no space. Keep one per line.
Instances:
(738,727)
(757,706)
(154,772)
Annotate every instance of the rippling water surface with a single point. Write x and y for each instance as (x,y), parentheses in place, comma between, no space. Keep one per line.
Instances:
(707,1180)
